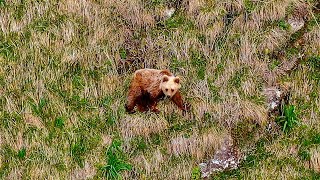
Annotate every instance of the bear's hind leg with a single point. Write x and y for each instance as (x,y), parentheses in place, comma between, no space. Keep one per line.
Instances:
(143,103)
(133,100)
(142,107)
(153,107)
(130,109)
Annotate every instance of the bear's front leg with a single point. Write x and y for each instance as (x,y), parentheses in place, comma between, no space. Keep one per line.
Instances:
(177,99)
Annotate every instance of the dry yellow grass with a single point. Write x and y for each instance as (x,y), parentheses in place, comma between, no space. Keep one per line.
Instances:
(63,84)
(87,172)
(314,38)
(315,159)
(197,146)
(274,40)
(152,166)
(136,126)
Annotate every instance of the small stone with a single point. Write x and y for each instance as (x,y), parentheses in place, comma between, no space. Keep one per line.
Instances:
(274,96)
(169,12)
(278,93)
(273,105)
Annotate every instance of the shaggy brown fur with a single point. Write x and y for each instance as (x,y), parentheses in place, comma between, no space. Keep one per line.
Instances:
(145,91)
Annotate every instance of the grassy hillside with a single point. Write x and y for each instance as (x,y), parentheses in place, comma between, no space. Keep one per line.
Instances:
(65,68)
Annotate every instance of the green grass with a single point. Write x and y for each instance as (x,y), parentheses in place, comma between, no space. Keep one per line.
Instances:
(314,62)
(283,25)
(62,95)
(115,161)
(288,120)
(196,174)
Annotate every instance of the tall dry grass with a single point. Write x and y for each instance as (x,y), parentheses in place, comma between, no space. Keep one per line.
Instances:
(65,68)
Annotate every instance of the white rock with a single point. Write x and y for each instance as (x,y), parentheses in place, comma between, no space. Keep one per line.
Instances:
(273,105)
(278,93)
(169,12)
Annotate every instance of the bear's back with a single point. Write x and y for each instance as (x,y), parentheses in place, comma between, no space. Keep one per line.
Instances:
(147,72)
(149,79)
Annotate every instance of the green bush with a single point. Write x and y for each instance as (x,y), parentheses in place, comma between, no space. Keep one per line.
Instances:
(115,161)
(288,120)
(196,173)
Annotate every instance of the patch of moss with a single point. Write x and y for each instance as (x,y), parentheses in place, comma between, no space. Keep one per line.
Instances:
(314,21)
(139,144)
(214,92)
(123,53)
(259,155)
(283,24)
(308,138)
(232,174)
(178,20)
(219,70)
(249,6)
(196,174)
(237,79)
(8,48)
(7,153)
(59,122)
(274,64)
(244,132)
(22,153)
(199,61)
(314,63)
(78,151)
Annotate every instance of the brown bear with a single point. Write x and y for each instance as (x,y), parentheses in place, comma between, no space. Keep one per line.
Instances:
(148,86)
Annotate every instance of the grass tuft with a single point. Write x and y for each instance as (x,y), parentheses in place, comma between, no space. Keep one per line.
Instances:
(65,69)
(115,161)
(288,120)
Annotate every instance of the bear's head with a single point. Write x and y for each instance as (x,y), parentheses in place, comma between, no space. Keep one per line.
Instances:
(170,85)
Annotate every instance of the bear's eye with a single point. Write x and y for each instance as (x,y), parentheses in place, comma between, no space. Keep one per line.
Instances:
(172,90)
(166,89)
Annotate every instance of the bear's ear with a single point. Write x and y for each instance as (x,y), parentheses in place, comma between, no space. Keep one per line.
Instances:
(177,80)
(165,78)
